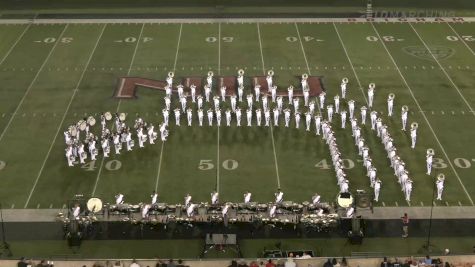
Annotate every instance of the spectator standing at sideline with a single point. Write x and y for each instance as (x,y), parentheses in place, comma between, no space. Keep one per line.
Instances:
(343,262)
(22,262)
(405,225)
(290,263)
(270,263)
(233,264)
(134,263)
(254,264)
(385,262)
(328,263)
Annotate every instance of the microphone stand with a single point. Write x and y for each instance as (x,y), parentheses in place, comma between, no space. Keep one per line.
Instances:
(5,247)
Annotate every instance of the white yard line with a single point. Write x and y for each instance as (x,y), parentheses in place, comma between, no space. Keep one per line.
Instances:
(423,114)
(351,63)
(461,39)
(163,143)
(64,117)
(443,70)
(303,50)
(118,106)
(271,127)
(219,48)
(31,84)
(217,148)
(14,44)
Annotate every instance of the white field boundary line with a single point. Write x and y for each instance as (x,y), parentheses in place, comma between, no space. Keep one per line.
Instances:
(461,39)
(32,83)
(351,63)
(118,107)
(443,70)
(238,20)
(271,127)
(64,117)
(423,115)
(163,143)
(14,44)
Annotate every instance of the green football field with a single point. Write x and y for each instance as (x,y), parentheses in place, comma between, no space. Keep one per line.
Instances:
(52,75)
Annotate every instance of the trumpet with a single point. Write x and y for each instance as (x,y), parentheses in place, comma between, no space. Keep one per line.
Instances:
(391,96)
(270,73)
(430,152)
(241,72)
(171,74)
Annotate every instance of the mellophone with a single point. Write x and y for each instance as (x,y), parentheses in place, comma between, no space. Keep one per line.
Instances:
(287,212)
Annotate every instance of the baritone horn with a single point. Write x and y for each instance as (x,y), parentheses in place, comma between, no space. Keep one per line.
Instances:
(122,116)
(372,86)
(391,96)
(241,72)
(91,121)
(72,130)
(344,80)
(430,152)
(171,74)
(108,116)
(270,73)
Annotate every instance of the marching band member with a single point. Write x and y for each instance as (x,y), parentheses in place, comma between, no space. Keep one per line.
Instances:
(408,189)
(214,198)
(373,116)
(404,110)
(258,116)
(413,135)
(344,186)
(200,101)
(187,200)
(343,118)
(216,101)
(183,103)
(276,116)
(308,121)
(119,199)
(105,147)
(287,117)
(117,143)
(269,81)
(190,210)
(377,189)
(218,116)
(152,135)
(330,112)
(290,94)
(247,197)
(210,117)
(223,94)
(279,196)
(233,103)
(272,211)
(207,91)
(279,102)
(306,96)
(177,116)
(429,162)
(76,211)
(363,114)
(225,209)
(337,103)
(240,79)
(311,107)
(257,92)
(209,80)
(343,85)
(273,91)
(318,124)
(240,92)
(180,90)
(249,101)
(351,108)
(145,211)
(267,117)
(92,149)
(296,104)
(168,91)
(238,116)
(82,153)
(228,117)
(304,82)
(200,117)
(154,197)
(297,120)
(163,132)
(321,96)
(440,186)
(265,102)
(103,121)
(189,115)
(141,136)
(165,114)
(129,141)
(249,116)
(390,104)
(371,94)
(169,81)
(69,155)
(193,93)
(316,199)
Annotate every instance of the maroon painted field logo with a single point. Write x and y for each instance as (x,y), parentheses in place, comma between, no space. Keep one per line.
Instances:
(439,52)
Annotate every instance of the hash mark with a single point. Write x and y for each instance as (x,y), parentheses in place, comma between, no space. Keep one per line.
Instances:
(433,203)
(50,206)
(397,205)
(422,204)
(443,113)
(13,206)
(64,206)
(38,206)
(460,204)
(446,203)
(384,204)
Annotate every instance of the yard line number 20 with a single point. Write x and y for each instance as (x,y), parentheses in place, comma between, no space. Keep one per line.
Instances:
(228,164)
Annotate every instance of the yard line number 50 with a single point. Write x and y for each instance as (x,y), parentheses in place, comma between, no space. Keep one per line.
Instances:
(228,164)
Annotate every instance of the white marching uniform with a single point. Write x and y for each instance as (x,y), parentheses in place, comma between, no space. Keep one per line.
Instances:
(249,99)
(117,143)
(228,117)
(276,116)
(187,200)
(180,90)
(351,108)
(318,123)
(343,119)
(249,117)
(297,120)
(200,117)
(238,117)
(177,116)
(306,96)
(247,197)
(189,116)
(440,188)
(316,199)
(258,116)
(363,114)
(273,91)
(267,117)
(218,117)
(408,189)
(183,103)
(330,113)
(308,121)
(169,81)
(223,93)
(214,198)
(413,137)
(165,114)
(233,103)
(163,132)
(154,197)
(92,149)
(296,104)
(119,199)
(82,153)
(390,106)
(216,102)
(265,102)
(279,197)
(343,89)
(200,101)
(287,117)
(105,147)
(207,92)
(337,103)
(168,90)
(370,97)
(290,94)
(322,99)
(404,119)
(269,81)
(311,107)
(304,84)
(280,102)
(193,93)
(373,116)
(240,92)
(209,81)
(377,189)
(257,92)
(129,141)
(69,156)
(210,117)
(429,163)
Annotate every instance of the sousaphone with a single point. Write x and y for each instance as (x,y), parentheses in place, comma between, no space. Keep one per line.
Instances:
(73,131)
(344,80)
(304,76)
(414,125)
(391,96)
(241,72)
(94,205)
(210,74)
(108,115)
(441,177)
(405,108)
(270,73)
(171,74)
(372,85)
(122,116)
(82,125)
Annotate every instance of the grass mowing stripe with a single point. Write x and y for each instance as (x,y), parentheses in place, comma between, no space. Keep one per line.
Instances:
(118,106)
(461,39)
(423,114)
(32,83)
(271,127)
(351,63)
(64,117)
(14,44)
(443,70)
